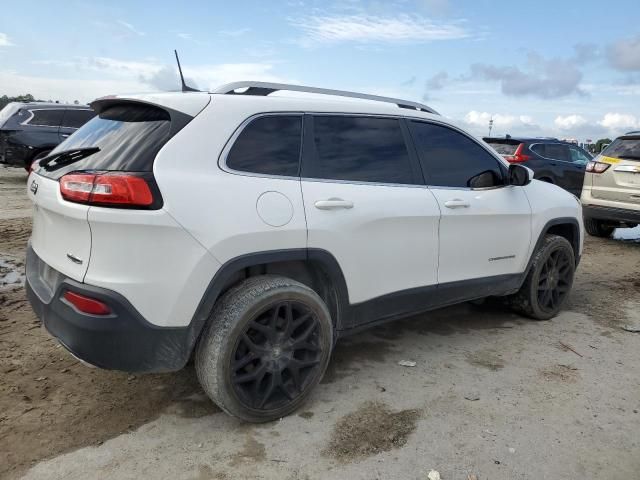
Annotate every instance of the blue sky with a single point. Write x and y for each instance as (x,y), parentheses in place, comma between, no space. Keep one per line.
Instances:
(566,68)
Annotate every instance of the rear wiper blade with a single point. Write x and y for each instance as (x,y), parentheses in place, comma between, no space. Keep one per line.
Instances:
(66,157)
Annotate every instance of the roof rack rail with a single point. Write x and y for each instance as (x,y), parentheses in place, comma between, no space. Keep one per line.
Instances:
(265,88)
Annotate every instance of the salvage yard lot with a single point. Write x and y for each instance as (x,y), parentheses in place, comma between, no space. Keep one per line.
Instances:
(492,394)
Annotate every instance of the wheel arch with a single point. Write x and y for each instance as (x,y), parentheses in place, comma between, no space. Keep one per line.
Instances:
(566,227)
(315,268)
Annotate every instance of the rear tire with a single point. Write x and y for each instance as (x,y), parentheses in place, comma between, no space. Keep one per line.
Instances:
(266,347)
(598,228)
(548,282)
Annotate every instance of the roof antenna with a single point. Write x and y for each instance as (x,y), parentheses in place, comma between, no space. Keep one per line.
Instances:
(185,87)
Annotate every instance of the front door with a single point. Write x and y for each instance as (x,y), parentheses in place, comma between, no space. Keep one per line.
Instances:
(485,227)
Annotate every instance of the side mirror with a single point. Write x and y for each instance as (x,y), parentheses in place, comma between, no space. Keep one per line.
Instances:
(519,175)
(485,179)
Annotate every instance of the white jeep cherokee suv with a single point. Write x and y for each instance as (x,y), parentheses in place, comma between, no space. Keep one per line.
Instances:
(254,230)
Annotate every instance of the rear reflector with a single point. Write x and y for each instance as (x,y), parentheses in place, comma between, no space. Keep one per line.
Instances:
(106,189)
(597,167)
(517,156)
(87,304)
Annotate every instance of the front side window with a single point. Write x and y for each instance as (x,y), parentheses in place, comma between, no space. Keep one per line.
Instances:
(359,149)
(268,145)
(46,118)
(451,159)
(578,156)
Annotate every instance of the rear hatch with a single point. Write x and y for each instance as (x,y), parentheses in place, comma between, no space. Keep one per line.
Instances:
(107,162)
(621,181)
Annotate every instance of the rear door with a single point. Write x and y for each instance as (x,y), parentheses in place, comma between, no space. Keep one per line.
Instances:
(366,204)
(621,181)
(485,227)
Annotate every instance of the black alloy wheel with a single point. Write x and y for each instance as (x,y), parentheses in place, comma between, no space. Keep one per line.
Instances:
(555,279)
(276,356)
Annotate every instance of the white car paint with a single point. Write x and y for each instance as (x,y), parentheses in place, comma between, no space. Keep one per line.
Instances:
(385,238)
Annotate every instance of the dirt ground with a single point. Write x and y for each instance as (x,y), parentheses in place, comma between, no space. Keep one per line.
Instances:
(492,394)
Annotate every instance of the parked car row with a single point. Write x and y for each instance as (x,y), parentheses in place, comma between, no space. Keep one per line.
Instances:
(552,160)
(608,185)
(29,131)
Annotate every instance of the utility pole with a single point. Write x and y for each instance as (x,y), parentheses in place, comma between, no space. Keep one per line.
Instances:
(490,125)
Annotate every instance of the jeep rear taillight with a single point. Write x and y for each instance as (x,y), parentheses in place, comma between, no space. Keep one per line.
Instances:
(597,167)
(112,189)
(517,156)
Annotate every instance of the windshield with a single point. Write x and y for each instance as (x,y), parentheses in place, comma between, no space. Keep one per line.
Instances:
(8,111)
(626,148)
(127,138)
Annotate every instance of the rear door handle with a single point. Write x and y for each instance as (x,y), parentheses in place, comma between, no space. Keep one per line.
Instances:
(65,135)
(333,204)
(456,203)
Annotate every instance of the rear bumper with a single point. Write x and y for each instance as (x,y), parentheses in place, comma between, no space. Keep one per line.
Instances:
(123,340)
(610,213)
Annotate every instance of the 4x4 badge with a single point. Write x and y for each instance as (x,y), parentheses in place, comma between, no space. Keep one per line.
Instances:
(34,187)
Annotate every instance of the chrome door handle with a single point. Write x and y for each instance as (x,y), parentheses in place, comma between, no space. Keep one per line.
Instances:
(65,135)
(456,203)
(333,204)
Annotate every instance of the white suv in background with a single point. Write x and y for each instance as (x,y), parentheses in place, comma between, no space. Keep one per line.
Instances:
(255,230)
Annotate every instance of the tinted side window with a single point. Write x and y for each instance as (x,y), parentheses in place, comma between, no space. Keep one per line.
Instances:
(451,159)
(268,145)
(361,149)
(557,151)
(77,118)
(539,148)
(46,118)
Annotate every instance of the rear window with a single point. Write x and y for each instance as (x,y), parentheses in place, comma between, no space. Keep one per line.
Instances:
(503,148)
(360,149)
(46,118)
(77,118)
(624,148)
(128,136)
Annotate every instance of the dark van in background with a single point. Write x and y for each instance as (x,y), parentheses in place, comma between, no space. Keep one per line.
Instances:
(552,160)
(29,131)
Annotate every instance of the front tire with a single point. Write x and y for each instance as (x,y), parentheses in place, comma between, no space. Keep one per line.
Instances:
(266,347)
(549,280)
(598,228)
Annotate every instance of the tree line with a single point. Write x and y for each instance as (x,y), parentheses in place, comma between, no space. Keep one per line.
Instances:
(27,98)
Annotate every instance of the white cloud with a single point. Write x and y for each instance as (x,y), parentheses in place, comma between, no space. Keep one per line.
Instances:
(66,89)
(140,75)
(130,28)
(619,121)
(107,65)
(500,121)
(570,122)
(4,40)
(371,28)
